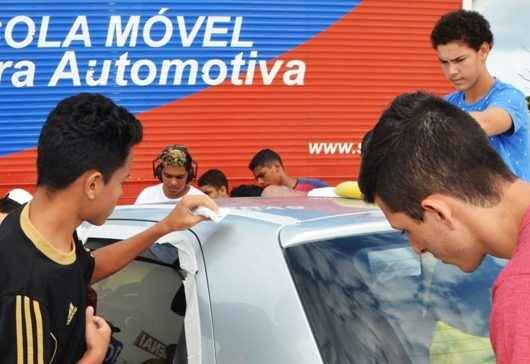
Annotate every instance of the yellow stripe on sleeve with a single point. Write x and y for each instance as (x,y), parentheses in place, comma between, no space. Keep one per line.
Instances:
(20,342)
(29,329)
(40,336)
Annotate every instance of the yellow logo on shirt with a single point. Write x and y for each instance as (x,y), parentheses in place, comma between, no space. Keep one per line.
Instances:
(71,313)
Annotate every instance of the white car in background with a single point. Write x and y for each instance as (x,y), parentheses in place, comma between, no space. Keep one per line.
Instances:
(290,280)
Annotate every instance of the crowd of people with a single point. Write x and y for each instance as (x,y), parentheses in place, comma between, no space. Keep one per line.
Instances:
(451,173)
(176,170)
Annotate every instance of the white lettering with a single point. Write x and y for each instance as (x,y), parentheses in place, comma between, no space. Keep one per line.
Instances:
(24,77)
(167,33)
(79,24)
(68,60)
(115,31)
(206,70)
(135,72)
(235,35)
(30,31)
(43,42)
(211,30)
(185,38)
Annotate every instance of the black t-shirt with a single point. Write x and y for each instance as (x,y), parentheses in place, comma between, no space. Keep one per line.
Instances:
(42,295)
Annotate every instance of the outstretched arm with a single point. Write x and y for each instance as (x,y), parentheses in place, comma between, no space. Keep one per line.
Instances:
(493,120)
(113,257)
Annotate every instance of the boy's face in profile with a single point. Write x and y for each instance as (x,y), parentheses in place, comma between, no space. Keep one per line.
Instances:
(214,192)
(268,174)
(440,234)
(108,194)
(461,64)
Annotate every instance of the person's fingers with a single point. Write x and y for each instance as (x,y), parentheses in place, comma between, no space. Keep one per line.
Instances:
(101,324)
(192,202)
(195,219)
(89,313)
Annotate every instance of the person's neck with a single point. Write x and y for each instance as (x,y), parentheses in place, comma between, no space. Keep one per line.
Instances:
(181,194)
(289,181)
(500,225)
(54,216)
(480,89)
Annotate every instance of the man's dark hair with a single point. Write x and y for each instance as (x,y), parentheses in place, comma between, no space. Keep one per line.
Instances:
(263,158)
(246,191)
(84,132)
(213,177)
(423,145)
(462,25)
(7,205)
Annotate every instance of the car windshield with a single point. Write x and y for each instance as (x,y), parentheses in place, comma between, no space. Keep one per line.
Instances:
(371,299)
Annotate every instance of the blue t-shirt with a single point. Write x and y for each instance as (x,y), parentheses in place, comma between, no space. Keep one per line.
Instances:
(307,184)
(512,145)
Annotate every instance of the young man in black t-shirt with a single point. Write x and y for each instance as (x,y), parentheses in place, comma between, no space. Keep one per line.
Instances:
(84,157)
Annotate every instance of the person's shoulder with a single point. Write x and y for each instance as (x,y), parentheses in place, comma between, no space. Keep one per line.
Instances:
(454,97)
(16,253)
(506,90)
(151,189)
(315,182)
(194,191)
(10,230)
(149,194)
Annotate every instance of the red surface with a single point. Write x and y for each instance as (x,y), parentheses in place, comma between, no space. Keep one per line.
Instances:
(353,69)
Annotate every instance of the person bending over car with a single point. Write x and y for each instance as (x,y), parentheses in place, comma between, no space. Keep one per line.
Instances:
(431,169)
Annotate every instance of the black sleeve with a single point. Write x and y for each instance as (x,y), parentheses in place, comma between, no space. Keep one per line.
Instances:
(24,331)
(86,260)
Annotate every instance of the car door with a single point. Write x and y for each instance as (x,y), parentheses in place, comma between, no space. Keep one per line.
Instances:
(146,301)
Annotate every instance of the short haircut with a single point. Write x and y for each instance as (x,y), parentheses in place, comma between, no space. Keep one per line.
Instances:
(214,178)
(263,158)
(84,132)
(246,191)
(462,25)
(423,145)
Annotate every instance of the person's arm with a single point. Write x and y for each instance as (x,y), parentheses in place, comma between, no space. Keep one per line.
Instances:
(97,335)
(510,321)
(115,256)
(494,120)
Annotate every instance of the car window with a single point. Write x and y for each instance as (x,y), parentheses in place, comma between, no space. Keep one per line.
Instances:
(144,305)
(371,299)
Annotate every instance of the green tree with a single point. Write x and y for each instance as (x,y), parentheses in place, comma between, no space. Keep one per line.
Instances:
(528,101)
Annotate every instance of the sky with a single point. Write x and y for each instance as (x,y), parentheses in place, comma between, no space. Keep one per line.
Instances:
(510,58)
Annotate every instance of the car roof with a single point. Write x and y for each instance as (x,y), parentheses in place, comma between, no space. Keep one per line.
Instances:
(282,211)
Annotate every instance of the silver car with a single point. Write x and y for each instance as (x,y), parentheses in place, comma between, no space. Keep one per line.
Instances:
(291,280)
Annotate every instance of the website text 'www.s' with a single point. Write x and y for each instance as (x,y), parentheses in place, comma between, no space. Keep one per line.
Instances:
(334,148)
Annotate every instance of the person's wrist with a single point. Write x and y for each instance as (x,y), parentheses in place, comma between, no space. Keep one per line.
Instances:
(93,355)
(163,227)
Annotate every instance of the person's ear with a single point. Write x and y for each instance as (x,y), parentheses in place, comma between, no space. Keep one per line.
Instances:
(484,51)
(439,209)
(93,184)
